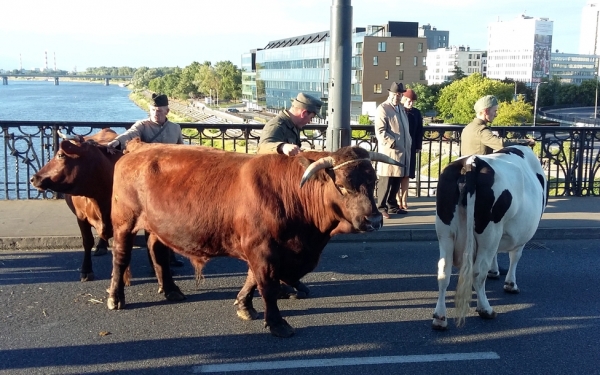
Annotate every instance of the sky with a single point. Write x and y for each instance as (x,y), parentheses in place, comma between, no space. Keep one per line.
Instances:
(171,33)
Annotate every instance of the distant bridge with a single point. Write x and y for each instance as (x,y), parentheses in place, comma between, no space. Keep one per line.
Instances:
(56,77)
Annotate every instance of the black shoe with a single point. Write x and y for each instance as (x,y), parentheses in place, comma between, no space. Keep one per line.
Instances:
(397,210)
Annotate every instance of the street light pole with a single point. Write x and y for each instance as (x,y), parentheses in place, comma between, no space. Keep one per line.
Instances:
(536,99)
(596,102)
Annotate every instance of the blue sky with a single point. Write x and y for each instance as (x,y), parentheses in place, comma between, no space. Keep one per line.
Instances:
(155,33)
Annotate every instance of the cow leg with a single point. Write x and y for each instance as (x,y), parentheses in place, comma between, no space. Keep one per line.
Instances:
(494,272)
(122,246)
(269,289)
(440,323)
(480,267)
(86,273)
(243,302)
(160,259)
(101,247)
(510,283)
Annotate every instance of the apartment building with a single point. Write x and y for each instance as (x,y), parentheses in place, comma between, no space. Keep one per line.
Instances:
(381,54)
(435,38)
(442,62)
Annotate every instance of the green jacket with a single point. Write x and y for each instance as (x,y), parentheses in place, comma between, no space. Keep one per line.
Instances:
(477,139)
(277,131)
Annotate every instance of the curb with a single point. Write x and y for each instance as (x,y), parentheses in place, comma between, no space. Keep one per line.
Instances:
(401,235)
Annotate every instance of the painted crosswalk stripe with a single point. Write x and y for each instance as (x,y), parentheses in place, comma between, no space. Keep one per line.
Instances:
(336,362)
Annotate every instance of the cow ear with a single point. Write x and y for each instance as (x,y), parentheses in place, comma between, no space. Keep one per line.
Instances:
(71,148)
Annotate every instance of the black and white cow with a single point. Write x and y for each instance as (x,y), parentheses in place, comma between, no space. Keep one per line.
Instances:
(485,204)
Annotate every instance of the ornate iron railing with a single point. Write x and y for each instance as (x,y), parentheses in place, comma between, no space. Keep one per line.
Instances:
(569,155)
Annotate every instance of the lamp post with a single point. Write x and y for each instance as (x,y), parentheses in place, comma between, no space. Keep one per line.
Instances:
(535,103)
(596,102)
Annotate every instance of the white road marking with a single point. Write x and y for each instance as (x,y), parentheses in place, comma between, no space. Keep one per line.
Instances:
(335,362)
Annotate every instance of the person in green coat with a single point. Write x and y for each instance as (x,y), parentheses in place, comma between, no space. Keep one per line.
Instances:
(281,134)
(477,138)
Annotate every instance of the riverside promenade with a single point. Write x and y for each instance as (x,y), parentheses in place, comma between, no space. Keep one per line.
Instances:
(49,224)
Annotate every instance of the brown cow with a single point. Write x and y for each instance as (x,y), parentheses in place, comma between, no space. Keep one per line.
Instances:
(206,203)
(83,170)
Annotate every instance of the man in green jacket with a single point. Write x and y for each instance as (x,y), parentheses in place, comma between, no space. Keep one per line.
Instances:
(477,138)
(282,133)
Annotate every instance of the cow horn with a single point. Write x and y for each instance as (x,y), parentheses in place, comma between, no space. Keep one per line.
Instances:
(377,156)
(325,162)
(66,137)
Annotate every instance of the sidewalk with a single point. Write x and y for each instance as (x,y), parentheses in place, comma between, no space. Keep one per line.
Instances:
(44,224)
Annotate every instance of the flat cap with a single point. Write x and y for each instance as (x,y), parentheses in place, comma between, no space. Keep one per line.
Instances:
(485,102)
(309,103)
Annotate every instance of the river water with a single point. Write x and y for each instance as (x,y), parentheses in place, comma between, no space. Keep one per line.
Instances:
(23,100)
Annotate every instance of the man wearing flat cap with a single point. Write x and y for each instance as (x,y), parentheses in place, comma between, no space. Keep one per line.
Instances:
(393,140)
(282,133)
(155,129)
(477,138)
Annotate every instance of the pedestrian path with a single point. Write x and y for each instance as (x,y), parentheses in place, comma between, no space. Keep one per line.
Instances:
(34,224)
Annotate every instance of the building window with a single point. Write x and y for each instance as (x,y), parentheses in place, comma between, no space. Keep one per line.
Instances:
(421,74)
(386,74)
(377,88)
(420,47)
(381,46)
(424,61)
(401,75)
(415,61)
(398,60)
(359,48)
(375,60)
(401,47)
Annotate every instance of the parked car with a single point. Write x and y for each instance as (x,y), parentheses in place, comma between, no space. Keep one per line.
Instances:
(232,110)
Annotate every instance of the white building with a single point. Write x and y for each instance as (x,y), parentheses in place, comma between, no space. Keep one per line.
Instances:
(442,62)
(520,49)
(590,30)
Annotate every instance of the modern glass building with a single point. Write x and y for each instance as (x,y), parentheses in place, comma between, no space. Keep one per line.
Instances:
(380,55)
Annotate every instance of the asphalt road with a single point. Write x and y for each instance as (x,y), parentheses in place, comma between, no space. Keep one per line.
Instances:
(369,313)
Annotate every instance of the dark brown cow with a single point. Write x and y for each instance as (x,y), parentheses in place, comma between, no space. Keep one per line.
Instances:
(206,203)
(83,170)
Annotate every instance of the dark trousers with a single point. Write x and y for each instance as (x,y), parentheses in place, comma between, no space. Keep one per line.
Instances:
(387,192)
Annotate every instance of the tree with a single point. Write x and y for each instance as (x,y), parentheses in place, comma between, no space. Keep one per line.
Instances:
(186,88)
(230,80)
(455,104)
(514,112)
(425,97)
(457,74)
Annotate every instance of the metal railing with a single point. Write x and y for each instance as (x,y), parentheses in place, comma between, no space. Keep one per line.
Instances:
(569,155)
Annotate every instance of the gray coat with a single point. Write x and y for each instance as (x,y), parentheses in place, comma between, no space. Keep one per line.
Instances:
(146,130)
(393,138)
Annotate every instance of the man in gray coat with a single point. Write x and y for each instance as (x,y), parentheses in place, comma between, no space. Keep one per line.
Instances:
(393,139)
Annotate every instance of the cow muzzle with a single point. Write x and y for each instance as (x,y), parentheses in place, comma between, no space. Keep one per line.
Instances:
(372,222)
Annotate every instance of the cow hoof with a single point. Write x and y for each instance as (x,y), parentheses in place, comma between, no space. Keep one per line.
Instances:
(510,288)
(247,313)
(114,304)
(100,251)
(439,323)
(282,329)
(86,276)
(485,315)
(175,295)
(493,275)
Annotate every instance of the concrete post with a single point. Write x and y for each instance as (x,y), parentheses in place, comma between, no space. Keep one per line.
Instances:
(340,74)
(106,81)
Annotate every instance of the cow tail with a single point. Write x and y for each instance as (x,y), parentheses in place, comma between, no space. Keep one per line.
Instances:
(464,287)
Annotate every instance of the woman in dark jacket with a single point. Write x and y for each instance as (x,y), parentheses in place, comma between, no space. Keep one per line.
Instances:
(415,125)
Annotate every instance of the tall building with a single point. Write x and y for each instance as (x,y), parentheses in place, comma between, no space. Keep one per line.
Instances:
(381,55)
(442,63)
(520,49)
(435,38)
(248,67)
(590,29)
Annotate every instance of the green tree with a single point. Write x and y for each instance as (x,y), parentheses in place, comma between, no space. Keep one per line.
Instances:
(514,112)
(425,97)
(230,80)
(457,74)
(186,88)
(455,104)
(364,120)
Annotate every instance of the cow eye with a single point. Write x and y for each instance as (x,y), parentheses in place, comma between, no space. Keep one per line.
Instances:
(60,155)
